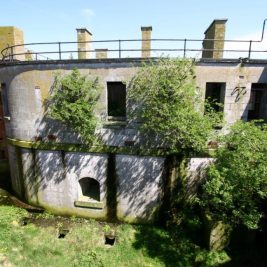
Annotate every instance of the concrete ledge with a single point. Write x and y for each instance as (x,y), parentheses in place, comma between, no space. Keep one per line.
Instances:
(89,204)
(128,61)
(53,146)
(134,150)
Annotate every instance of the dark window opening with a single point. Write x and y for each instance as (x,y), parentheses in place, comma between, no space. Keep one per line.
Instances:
(214,96)
(116,99)
(5,100)
(90,188)
(257,107)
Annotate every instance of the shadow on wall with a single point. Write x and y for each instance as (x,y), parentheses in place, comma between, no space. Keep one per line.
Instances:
(140,186)
(137,180)
(58,173)
(131,186)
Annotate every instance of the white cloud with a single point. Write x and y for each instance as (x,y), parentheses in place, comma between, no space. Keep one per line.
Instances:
(88,13)
(257,46)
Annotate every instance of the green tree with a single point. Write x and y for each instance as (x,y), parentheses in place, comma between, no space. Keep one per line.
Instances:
(73,102)
(236,183)
(164,98)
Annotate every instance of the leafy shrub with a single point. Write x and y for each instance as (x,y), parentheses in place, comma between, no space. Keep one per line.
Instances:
(236,183)
(73,102)
(165,99)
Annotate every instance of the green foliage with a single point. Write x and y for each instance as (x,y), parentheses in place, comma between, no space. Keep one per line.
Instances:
(73,102)
(236,183)
(137,245)
(88,258)
(165,99)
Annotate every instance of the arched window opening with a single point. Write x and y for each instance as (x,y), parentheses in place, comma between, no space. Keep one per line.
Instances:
(90,188)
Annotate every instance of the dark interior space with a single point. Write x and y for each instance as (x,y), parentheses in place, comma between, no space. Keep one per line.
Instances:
(215,93)
(257,103)
(116,99)
(90,188)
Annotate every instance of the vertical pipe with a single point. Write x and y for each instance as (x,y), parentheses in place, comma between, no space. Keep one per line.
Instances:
(59,50)
(12,53)
(184,48)
(249,50)
(119,48)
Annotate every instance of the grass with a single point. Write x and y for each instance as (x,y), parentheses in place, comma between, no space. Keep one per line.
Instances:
(35,243)
(84,245)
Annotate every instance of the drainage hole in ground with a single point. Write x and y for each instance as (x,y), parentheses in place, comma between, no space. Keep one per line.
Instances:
(110,240)
(62,233)
(24,221)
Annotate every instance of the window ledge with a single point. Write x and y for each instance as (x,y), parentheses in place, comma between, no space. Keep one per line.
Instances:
(114,124)
(89,204)
(116,118)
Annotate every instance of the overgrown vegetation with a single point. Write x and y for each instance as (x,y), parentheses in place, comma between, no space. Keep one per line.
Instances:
(37,244)
(236,184)
(164,97)
(73,102)
(165,100)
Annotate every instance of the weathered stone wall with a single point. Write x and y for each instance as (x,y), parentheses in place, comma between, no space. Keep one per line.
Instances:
(195,174)
(50,178)
(29,85)
(139,187)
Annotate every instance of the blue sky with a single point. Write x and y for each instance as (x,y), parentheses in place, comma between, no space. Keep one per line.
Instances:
(56,20)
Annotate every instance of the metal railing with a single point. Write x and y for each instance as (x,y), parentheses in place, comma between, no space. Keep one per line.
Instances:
(121,48)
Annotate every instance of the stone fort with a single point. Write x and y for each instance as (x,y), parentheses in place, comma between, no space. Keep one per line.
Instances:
(49,165)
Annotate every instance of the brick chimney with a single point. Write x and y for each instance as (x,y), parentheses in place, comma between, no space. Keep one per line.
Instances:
(83,35)
(101,53)
(146,41)
(216,31)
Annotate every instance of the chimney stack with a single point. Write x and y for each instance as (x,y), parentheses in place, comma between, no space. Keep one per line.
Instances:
(10,36)
(146,41)
(216,31)
(101,53)
(83,35)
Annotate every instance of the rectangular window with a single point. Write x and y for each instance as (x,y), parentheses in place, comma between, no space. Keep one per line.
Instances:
(215,94)
(257,107)
(116,100)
